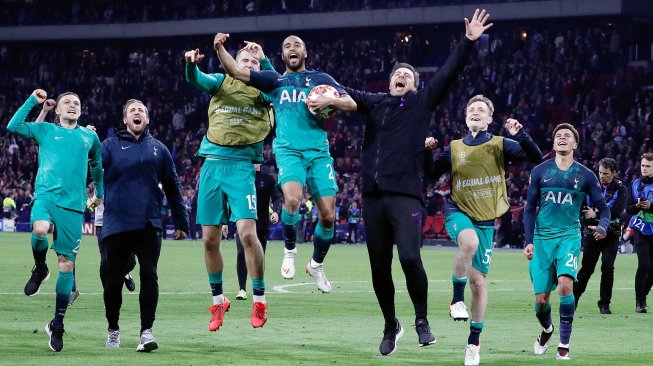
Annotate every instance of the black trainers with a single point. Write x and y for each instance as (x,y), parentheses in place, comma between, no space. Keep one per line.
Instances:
(129,283)
(424,333)
(56,336)
(604,308)
(391,335)
(40,274)
(640,307)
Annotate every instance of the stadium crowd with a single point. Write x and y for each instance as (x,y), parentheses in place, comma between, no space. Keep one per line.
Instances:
(40,12)
(540,77)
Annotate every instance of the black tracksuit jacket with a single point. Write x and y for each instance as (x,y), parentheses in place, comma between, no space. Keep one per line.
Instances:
(393,146)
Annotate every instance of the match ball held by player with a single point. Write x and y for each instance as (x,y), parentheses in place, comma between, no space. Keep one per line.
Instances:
(326,91)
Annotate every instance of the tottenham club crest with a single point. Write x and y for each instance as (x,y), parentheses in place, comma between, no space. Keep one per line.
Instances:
(155,150)
(308,81)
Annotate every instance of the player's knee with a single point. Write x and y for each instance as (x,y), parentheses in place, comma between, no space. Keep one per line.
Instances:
(541,302)
(410,260)
(66,265)
(328,220)
(40,230)
(469,246)
(565,286)
(292,203)
(211,241)
(248,238)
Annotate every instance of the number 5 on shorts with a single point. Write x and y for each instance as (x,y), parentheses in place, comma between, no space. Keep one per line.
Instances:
(488,256)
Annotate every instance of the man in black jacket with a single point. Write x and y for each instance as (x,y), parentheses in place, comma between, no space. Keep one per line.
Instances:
(615,194)
(136,165)
(392,175)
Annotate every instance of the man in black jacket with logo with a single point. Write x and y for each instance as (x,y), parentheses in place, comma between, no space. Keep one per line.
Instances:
(138,169)
(392,175)
(615,194)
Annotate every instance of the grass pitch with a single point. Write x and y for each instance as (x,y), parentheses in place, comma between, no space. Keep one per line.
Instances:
(306,327)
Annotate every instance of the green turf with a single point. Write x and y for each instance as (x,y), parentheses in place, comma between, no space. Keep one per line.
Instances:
(306,327)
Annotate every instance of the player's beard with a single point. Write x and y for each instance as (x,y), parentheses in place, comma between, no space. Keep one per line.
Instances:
(296,67)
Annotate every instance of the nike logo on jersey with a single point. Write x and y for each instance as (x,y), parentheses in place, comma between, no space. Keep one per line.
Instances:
(414,214)
(58,137)
(546,180)
(295,97)
(126,147)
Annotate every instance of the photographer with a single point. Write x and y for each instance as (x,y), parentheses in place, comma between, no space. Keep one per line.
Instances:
(639,205)
(615,194)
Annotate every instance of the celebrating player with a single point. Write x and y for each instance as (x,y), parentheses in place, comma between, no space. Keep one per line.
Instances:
(301,147)
(239,120)
(65,150)
(478,197)
(558,186)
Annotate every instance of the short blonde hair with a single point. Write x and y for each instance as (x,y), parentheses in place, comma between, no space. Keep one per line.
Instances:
(481,98)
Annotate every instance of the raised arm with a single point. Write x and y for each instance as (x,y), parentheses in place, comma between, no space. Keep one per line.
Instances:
(17,123)
(228,62)
(198,79)
(521,147)
(256,50)
(438,87)
(48,105)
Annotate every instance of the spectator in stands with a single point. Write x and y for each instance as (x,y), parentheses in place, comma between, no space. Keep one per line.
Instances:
(429,229)
(353,219)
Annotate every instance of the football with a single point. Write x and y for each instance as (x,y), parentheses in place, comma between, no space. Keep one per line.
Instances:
(327,91)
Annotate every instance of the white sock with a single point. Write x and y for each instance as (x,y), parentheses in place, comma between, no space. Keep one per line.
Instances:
(549,329)
(260,298)
(219,299)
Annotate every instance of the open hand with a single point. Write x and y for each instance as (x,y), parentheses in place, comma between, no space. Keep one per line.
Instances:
(476,27)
